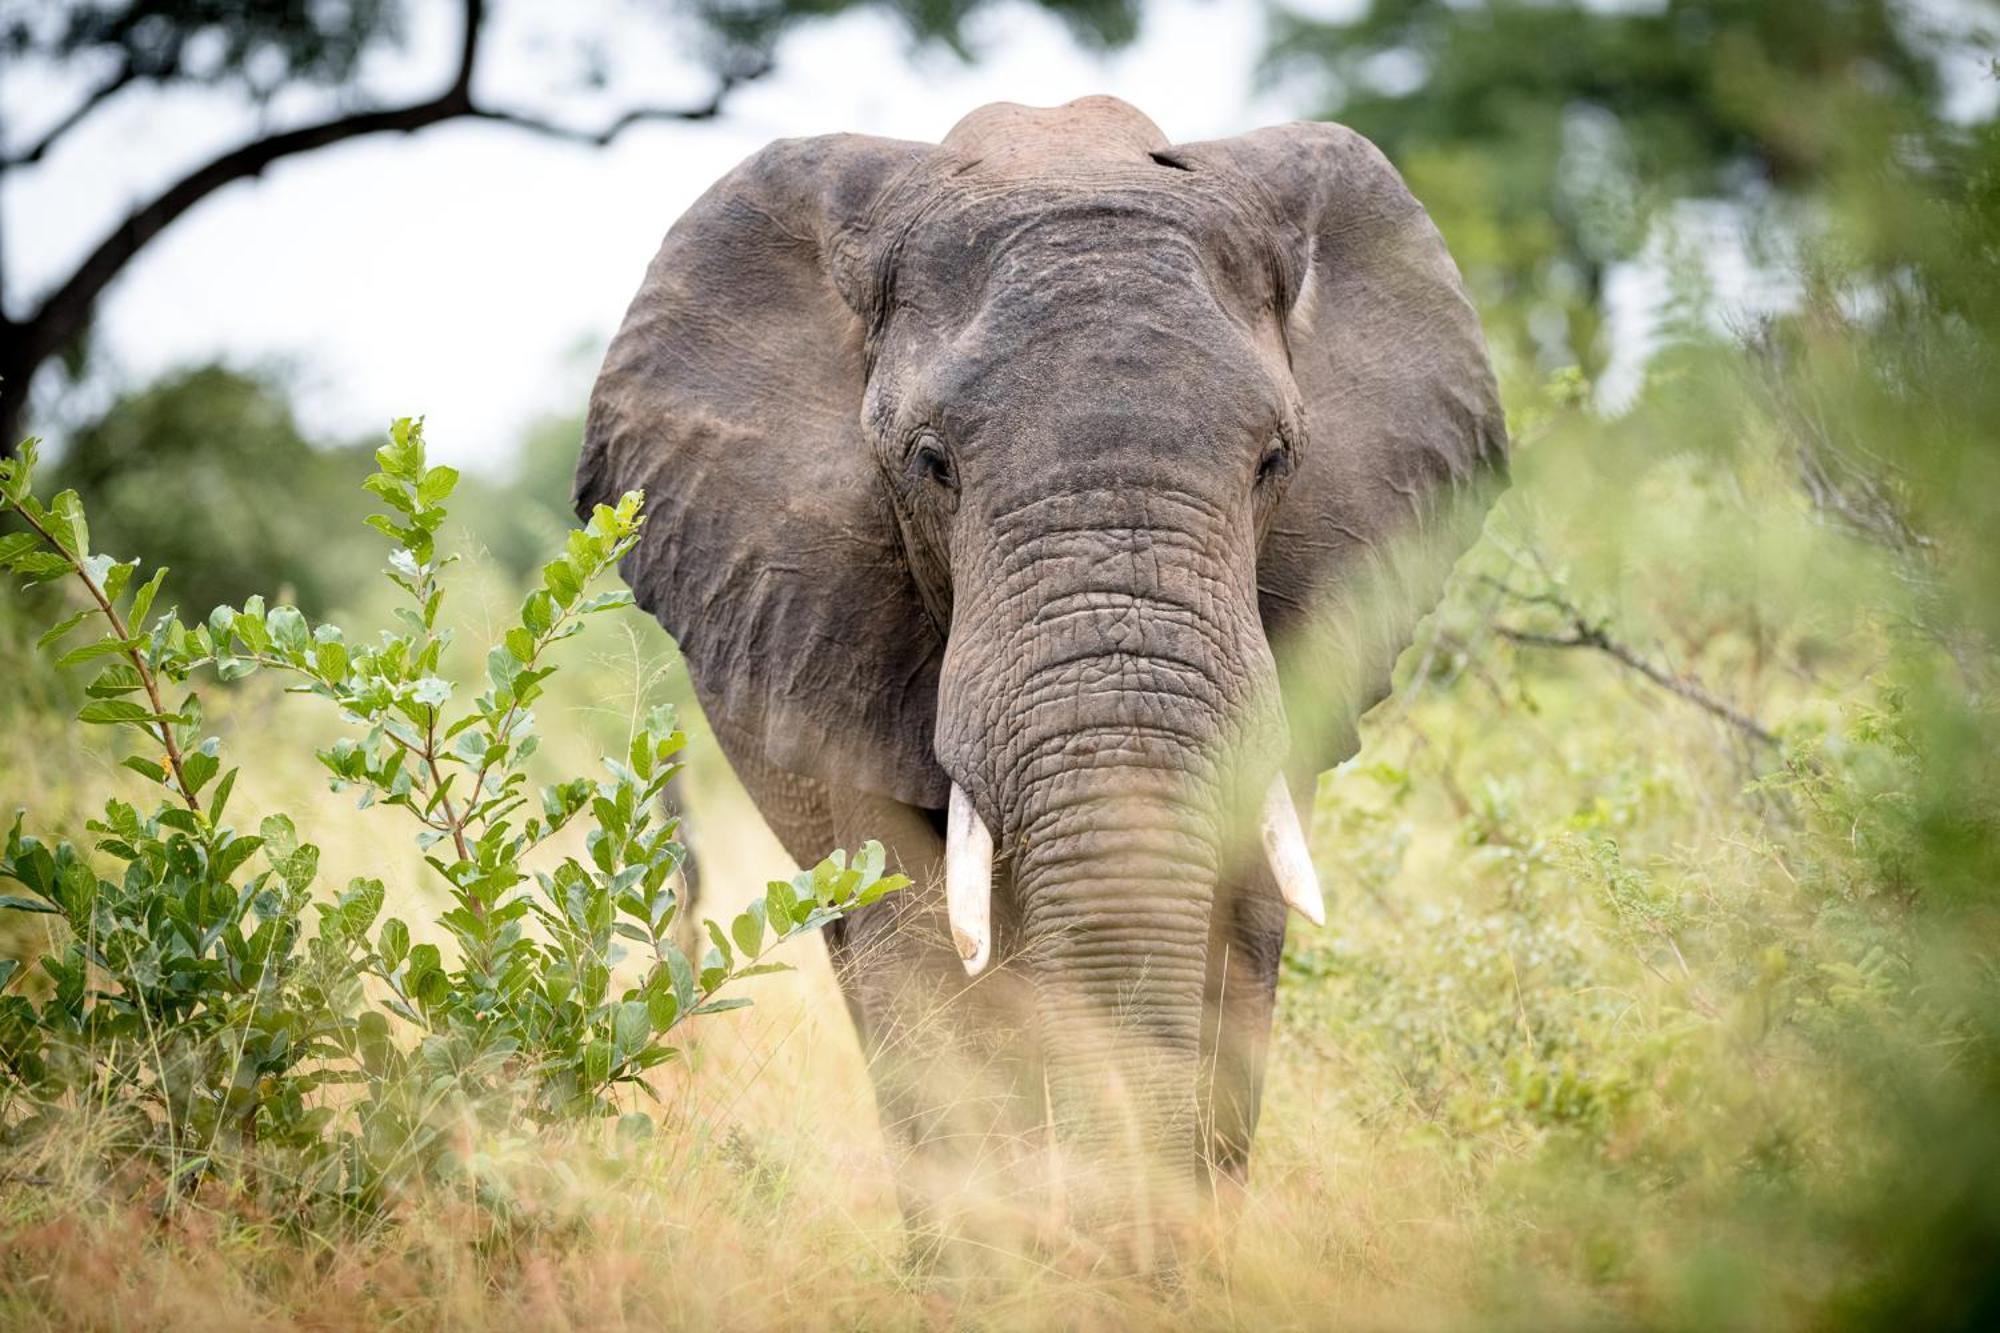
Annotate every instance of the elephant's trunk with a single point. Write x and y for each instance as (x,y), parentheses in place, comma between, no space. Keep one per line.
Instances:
(1108,714)
(1117,876)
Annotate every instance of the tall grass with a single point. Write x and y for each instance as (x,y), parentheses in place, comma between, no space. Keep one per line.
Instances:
(1660,990)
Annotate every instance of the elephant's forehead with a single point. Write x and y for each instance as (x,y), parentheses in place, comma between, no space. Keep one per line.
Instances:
(1045,366)
(1104,234)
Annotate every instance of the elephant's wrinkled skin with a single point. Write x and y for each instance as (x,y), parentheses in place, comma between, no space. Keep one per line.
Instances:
(1031,462)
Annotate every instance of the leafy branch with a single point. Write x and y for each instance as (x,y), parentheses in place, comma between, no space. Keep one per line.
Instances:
(188,991)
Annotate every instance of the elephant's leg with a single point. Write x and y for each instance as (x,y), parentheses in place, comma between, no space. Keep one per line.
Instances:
(1247,938)
(958,1083)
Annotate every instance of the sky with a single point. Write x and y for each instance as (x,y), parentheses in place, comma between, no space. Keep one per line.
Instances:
(472,273)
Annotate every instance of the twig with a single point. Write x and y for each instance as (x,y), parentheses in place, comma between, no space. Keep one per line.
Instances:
(163,728)
(96,97)
(1586,635)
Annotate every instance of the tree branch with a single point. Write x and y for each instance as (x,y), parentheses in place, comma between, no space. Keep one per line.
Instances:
(63,316)
(1583,634)
(599,138)
(96,97)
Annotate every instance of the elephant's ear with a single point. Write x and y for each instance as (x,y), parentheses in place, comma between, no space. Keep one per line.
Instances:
(1405,444)
(732,396)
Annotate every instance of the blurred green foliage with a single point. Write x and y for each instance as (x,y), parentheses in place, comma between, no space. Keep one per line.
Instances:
(1675,861)
(207,472)
(1547,137)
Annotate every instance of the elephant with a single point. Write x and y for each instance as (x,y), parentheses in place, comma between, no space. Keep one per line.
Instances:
(1049,503)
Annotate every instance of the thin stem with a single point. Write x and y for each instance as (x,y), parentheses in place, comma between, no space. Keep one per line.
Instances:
(514,709)
(429,757)
(162,728)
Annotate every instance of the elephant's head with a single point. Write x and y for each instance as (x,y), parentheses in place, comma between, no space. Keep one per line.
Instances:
(985,475)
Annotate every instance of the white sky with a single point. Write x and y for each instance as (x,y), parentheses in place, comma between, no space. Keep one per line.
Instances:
(472,272)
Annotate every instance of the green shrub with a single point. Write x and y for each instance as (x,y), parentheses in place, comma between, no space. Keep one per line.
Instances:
(206,1002)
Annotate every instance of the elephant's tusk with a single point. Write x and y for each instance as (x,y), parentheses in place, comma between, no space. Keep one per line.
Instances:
(1291,860)
(968,881)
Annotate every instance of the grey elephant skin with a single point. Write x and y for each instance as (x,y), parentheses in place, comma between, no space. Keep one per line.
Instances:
(1088,484)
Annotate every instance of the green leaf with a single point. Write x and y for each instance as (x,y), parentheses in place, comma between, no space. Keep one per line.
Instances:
(13,544)
(881,888)
(391,490)
(142,600)
(330,659)
(662,1008)
(12,902)
(721,943)
(781,905)
(597,1062)
(115,579)
(145,768)
(748,928)
(630,1026)
(288,629)
(403,457)
(200,767)
(67,523)
(437,485)
(107,711)
(395,942)
(681,973)
(41,566)
(68,623)
(560,578)
(115,679)
(538,612)
(221,797)
(101,648)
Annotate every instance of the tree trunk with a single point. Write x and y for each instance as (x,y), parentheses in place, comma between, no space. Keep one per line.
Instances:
(18,364)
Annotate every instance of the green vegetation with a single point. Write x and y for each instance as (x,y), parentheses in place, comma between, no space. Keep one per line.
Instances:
(1662,984)
(1555,139)
(186,1009)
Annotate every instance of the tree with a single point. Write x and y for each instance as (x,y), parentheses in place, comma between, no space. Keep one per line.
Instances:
(1546,135)
(205,471)
(260,48)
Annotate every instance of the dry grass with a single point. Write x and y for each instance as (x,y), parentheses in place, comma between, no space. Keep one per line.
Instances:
(1571,1054)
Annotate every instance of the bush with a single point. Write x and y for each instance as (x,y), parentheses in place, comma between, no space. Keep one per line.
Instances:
(209,1004)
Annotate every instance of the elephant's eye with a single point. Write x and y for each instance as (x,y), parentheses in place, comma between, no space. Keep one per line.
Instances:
(1276,463)
(935,464)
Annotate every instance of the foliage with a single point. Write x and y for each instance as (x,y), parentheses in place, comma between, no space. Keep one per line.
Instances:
(1548,138)
(187,1000)
(202,469)
(206,41)
(515,516)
